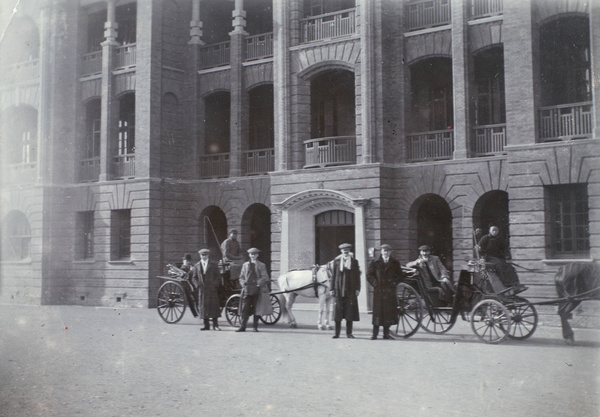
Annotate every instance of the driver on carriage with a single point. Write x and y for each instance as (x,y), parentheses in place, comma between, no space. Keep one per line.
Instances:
(495,251)
(232,255)
(433,270)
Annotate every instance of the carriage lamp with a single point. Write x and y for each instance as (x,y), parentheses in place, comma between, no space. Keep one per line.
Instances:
(371,252)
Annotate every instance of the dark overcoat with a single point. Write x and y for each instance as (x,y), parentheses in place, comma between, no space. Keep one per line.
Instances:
(346,284)
(384,277)
(208,285)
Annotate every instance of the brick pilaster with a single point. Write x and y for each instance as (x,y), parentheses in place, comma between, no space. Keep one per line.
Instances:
(460,74)
(595,63)
(521,114)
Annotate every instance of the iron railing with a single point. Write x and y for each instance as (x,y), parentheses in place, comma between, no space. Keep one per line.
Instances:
(21,173)
(427,146)
(484,8)
(124,166)
(330,25)
(567,121)
(425,14)
(335,150)
(214,55)
(92,63)
(258,161)
(215,165)
(488,140)
(89,169)
(259,46)
(125,56)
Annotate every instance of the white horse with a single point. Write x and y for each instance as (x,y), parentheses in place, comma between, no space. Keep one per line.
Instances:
(311,283)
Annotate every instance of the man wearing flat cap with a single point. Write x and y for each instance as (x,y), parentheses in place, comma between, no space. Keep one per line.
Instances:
(254,279)
(434,274)
(384,274)
(206,278)
(345,287)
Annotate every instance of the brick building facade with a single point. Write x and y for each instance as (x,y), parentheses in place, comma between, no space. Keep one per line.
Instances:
(133,132)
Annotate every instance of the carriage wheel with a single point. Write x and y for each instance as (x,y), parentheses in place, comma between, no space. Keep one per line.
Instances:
(437,320)
(171,302)
(524,318)
(233,310)
(276,314)
(410,310)
(490,321)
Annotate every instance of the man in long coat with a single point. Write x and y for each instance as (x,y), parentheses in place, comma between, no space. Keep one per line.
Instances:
(384,274)
(345,287)
(206,278)
(254,279)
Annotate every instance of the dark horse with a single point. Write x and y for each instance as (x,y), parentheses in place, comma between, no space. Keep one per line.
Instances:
(575,282)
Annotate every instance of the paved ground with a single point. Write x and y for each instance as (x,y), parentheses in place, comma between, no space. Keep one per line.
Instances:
(85,361)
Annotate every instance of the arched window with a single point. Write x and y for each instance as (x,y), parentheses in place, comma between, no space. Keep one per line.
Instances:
(16,237)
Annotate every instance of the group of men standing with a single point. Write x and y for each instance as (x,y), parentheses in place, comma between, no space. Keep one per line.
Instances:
(384,274)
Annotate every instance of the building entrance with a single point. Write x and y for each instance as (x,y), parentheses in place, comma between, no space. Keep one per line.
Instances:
(332,228)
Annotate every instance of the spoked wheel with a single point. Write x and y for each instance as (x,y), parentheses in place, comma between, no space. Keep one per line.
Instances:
(171,302)
(523,316)
(276,314)
(233,312)
(437,320)
(410,310)
(490,321)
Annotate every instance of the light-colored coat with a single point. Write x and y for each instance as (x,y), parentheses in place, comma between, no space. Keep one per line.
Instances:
(263,306)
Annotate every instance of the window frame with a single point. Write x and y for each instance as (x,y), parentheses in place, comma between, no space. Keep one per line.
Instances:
(567,203)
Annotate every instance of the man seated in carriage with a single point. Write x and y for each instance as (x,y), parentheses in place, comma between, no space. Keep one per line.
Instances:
(494,249)
(435,275)
(232,255)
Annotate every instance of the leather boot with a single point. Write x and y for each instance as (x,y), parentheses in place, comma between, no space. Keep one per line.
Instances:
(375,332)
(255,323)
(206,325)
(338,329)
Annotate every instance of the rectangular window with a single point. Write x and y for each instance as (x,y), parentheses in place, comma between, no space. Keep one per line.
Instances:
(567,220)
(85,228)
(120,234)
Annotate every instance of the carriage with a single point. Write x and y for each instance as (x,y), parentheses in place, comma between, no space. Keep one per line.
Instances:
(177,293)
(494,313)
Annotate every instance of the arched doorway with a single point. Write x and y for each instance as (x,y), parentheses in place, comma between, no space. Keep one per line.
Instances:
(491,208)
(433,219)
(332,228)
(213,230)
(257,225)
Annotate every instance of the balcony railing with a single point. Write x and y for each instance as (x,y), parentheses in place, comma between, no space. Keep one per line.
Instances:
(124,166)
(214,165)
(488,140)
(330,25)
(21,71)
(92,63)
(214,55)
(259,46)
(430,146)
(89,169)
(336,150)
(425,14)
(125,56)
(258,161)
(567,121)
(21,173)
(484,8)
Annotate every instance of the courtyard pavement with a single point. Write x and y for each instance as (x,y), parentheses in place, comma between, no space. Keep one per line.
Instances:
(68,361)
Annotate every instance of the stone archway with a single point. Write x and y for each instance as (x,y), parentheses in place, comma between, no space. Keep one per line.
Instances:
(491,208)
(298,228)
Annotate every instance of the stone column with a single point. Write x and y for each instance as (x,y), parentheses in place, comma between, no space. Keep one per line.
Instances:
(108,129)
(595,64)
(521,114)
(239,100)
(460,74)
(360,251)
(281,85)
